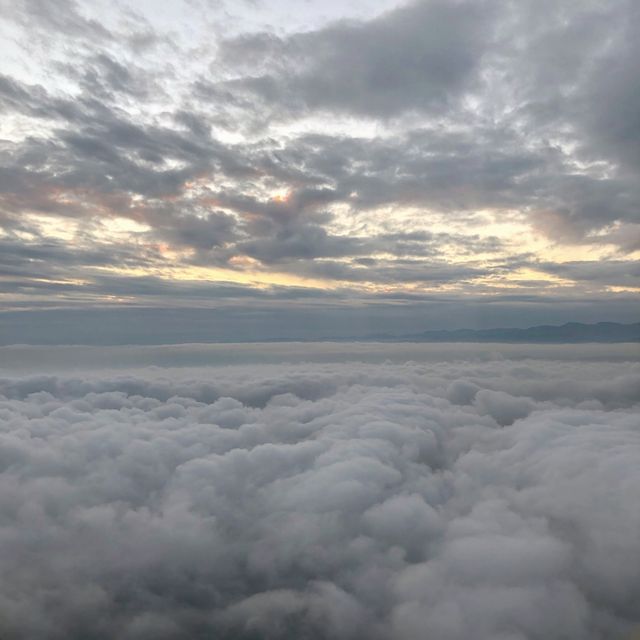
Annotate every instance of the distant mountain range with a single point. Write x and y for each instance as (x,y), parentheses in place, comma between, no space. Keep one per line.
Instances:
(569,332)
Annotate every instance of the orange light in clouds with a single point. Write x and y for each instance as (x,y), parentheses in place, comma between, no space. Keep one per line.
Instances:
(244,261)
(281,197)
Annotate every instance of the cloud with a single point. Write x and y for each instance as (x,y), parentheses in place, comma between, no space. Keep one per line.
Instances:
(416,57)
(429,147)
(322,500)
(618,271)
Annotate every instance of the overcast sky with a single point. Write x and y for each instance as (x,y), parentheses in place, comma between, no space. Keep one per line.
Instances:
(272,168)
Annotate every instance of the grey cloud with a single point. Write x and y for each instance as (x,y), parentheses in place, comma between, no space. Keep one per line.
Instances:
(578,75)
(308,241)
(35,101)
(60,16)
(480,106)
(555,86)
(99,146)
(104,77)
(67,20)
(502,407)
(416,57)
(613,272)
(613,92)
(476,169)
(322,500)
(200,232)
(401,270)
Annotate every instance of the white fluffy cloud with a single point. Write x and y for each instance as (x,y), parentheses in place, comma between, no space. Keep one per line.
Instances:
(495,499)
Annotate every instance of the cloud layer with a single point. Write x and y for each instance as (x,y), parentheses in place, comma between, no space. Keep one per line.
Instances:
(206,156)
(486,498)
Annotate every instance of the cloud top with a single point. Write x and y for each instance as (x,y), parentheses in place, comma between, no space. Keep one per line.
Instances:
(487,499)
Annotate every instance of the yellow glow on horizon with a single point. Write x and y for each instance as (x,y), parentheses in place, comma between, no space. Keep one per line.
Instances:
(119,225)
(455,248)
(55,228)
(249,277)
(518,278)
(510,226)
(619,289)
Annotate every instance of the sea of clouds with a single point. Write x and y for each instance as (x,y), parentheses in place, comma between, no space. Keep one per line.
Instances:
(320,491)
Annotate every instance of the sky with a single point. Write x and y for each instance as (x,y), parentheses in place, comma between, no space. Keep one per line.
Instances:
(244,493)
(257,169)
